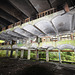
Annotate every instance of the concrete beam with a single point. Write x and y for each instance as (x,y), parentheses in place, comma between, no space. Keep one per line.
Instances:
(2,38)
(24,6)
(9,8)
(40,30)
(20,32)
(21,35)
(29,32)
(11,33)
(49,3)
(46,27)
(7,16)
(6,36)
(32,30)
(4,21)
(40,5)
(56,3)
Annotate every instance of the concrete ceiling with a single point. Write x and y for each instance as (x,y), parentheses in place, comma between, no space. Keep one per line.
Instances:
(4,22)
(9,32)
(61,24)
(25,6)
(40,5)
(23,32)
(7,16)
(46,27)
(33,30)
(12,11)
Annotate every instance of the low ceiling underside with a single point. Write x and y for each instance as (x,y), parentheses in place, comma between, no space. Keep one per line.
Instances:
(12,11)
(59,25)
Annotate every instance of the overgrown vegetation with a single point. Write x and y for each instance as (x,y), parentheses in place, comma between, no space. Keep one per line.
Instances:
(65,56)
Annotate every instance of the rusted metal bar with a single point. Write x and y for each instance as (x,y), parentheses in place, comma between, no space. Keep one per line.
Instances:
(18,23)
(10,26)
(27,20)
(46,12)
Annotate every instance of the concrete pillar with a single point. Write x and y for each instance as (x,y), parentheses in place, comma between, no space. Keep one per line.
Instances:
(11,53)
(22,53)
(28,54)
(71,36)
(47,55)
(16,53)
(7,52)
(60,57)
(59,38)
(74,51)
(37,55)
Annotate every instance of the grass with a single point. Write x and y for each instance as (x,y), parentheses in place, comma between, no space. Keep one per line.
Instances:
(1,41)
(53,55)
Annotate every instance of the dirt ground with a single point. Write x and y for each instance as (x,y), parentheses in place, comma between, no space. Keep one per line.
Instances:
(10,66)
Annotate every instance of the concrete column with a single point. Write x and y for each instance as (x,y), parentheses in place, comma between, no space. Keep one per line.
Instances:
(37,55)
(74,51)
(47,55)
(71,36)
(60,57)
(11,53)
(28,54)
(16,53)
(59,38)
(7,51)
(22,53)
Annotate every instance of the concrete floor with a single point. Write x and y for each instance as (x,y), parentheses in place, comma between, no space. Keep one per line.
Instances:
(27,67)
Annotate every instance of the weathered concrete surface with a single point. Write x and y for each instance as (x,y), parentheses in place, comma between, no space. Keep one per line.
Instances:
(7,16)
(40,5)
(22,9)
(49,25)
(4,22)
(7,7)
(23,32)
(57,3)
(24,6)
